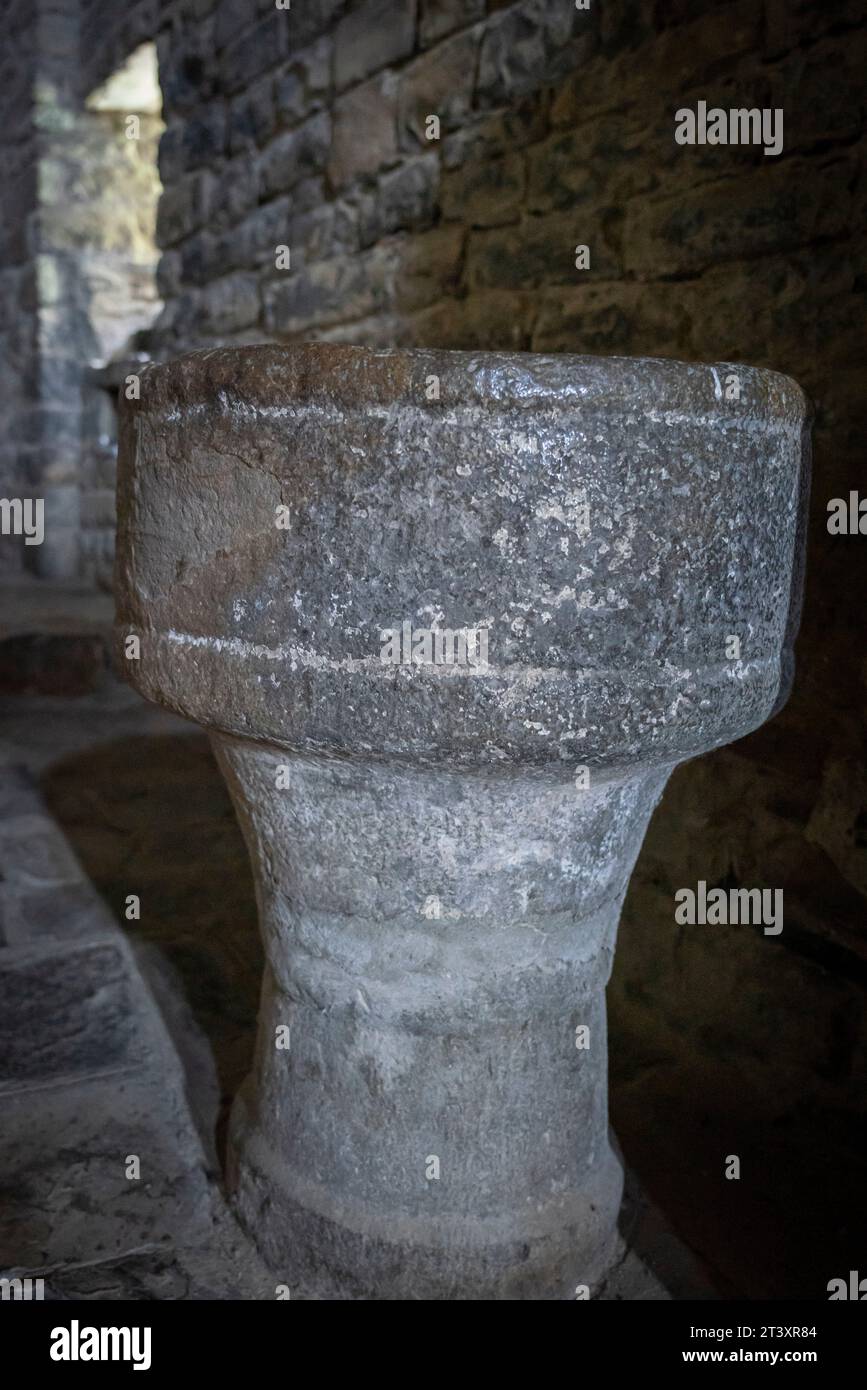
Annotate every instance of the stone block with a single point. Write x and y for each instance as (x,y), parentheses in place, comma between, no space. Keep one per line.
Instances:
(255,52)
(437,18)
(542,250)
(405,199)
(327,230)
(531,43)
(232,18)
(67,1197)
(255,241)
(308,20)
(199,258)
(611,158)
(822,91)
(252,117)
(65,1014)
(183,207)
(365,130)
(327,292)
(189,71)
(523,124)
(67,915)
(296,155)
(613,318)
(168,274)
(439,83)
(652,75)
(374,35)
(776,208)
(792,23)
(230,305)
(429,268)
(237,191)
(18,793)
(487,194)
(306,79)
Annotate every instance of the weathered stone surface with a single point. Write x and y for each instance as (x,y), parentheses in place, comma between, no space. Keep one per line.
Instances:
(345,287)
(296,155)
(183,208)
(430,267)
(199,140)
(405,197)
(89,1080)
(754,215)
(65,1011)
(485,195)
(528,42)
(371,107)
(238,194)
(252,117)
(440,17)
(255,52)
(486,319)
(372,35)
(440,83)
(543,250)
(439,894)
(229,305)
(305,80)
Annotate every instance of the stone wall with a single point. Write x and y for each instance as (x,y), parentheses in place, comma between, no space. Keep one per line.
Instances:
(18,447)
(77,278)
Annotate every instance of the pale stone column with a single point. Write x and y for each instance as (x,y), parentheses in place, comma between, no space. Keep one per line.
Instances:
(441,850)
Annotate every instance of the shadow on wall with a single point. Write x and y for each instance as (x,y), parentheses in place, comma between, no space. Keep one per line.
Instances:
(723,1041)
(727,1042)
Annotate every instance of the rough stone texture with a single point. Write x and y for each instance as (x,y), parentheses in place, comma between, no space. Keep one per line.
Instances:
(89,1077)
(432,942)
(77,283)
(19,443)
(54,637)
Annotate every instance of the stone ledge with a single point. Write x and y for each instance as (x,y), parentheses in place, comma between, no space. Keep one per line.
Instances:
(54,637)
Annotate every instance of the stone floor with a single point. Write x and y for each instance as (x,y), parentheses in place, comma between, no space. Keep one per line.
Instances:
(108,1171)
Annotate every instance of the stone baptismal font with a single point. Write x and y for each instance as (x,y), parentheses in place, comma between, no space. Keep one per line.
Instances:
(450,619)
